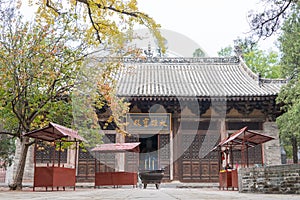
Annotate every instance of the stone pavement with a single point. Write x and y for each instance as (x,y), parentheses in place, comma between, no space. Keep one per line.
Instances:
(167,191)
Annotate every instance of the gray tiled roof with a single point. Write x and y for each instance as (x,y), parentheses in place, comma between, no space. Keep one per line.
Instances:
(192,77)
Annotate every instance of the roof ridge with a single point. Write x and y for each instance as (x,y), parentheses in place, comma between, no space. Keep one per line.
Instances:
(274,81)
(209,60)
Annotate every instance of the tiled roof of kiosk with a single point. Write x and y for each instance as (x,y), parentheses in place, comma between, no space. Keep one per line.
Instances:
(192,77)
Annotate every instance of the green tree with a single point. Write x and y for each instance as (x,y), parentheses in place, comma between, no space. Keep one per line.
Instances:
(226,51)
(38,65)
(199,53)
(109,23)
(7,149)
(261,62)
(40,62)
(288,122)
(289,96)
(289,43)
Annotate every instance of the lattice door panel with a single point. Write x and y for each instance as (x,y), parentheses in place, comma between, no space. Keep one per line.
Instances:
(254,156)
(105,162)
(132,159)
(109,138)
(164,154)
(195,166)
(86,162)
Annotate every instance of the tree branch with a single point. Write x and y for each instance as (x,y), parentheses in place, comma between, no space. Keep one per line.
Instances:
(133,14)
(7,133)
(53,8)
(14,103)
(50,98)
(266,27)
(103,7)
(30,143)
(93,24)
(277,16)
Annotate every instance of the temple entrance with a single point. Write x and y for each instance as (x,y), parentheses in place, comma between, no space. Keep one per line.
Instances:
(153,131)
(160,152)
(148,152)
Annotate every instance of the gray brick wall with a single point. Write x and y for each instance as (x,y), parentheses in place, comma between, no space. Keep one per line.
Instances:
(284,179)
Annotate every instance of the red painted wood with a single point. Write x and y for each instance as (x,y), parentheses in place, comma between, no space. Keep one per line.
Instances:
(228,179)
(115,178)
(54,177)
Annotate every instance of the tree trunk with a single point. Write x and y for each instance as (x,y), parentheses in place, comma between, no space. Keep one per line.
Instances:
(295,149)
(18,177)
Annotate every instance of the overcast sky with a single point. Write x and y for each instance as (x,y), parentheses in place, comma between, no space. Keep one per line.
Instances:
(212,24)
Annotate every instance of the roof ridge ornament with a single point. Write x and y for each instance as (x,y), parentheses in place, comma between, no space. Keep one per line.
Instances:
(148,52)
(260,83)
(238,51)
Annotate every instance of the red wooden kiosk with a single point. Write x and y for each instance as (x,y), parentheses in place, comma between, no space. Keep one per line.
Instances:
(54,174)
(115,178)
(240,140)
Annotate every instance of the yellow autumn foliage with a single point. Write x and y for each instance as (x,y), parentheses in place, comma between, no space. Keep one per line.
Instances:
(105,20)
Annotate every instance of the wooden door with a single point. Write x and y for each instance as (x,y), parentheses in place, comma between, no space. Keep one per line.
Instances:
(193,167)
(86,166)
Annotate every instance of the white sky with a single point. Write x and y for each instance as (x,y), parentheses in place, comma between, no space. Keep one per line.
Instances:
(212,24)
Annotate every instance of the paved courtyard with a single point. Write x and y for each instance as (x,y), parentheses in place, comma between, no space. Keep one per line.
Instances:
(164,193)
